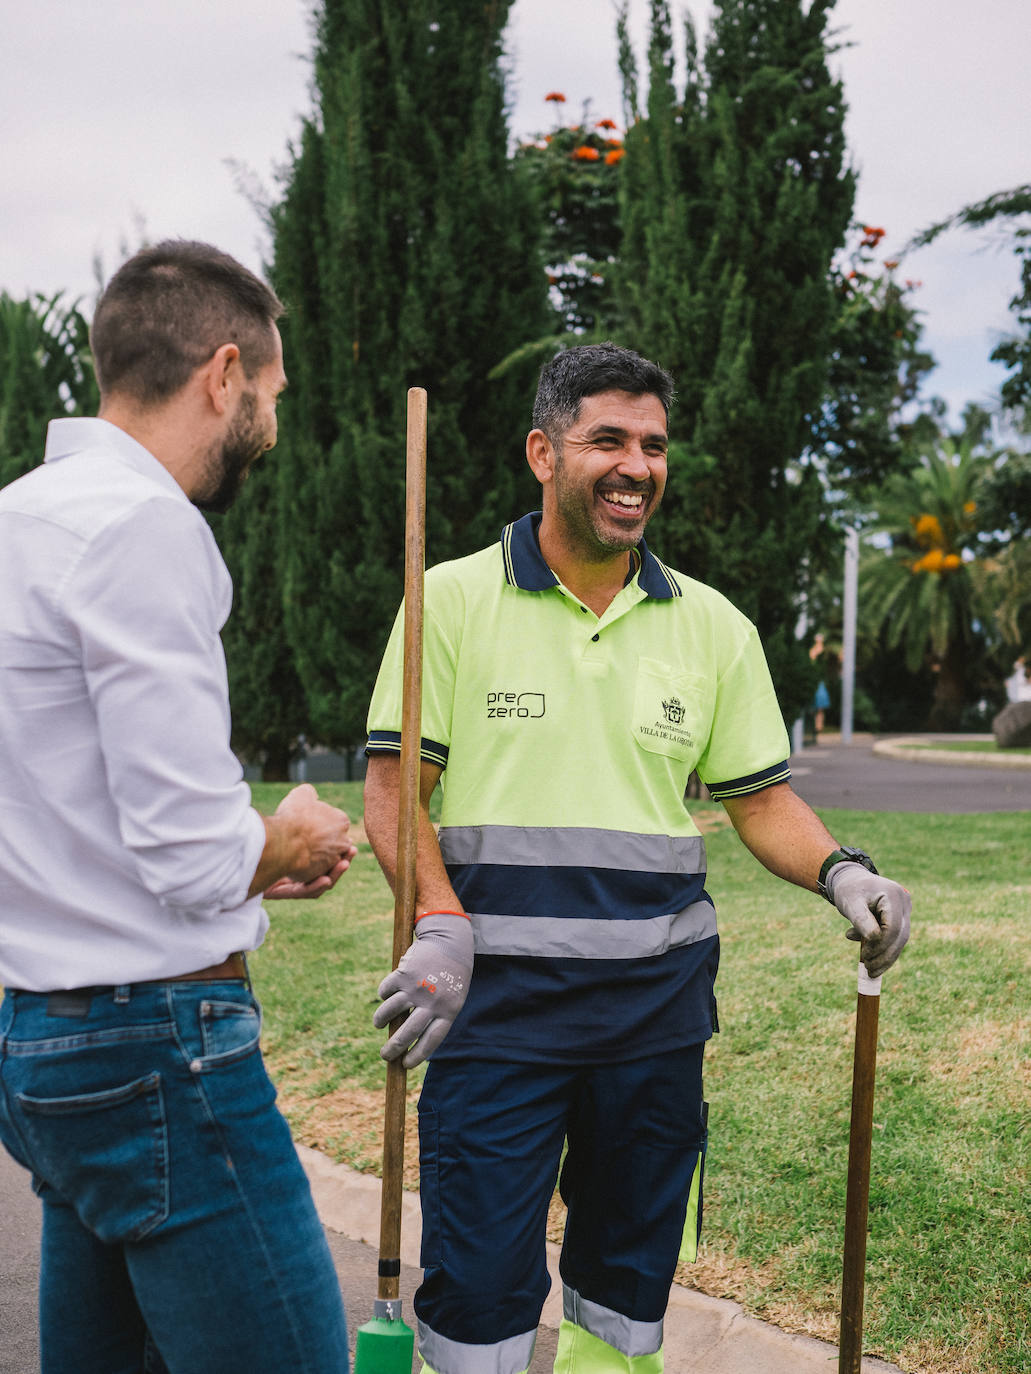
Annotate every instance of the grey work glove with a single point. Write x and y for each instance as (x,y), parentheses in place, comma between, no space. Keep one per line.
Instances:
(878,909)
(432,980)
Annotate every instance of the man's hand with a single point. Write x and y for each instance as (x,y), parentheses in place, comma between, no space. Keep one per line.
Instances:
(878,909)
(431,980)
(307,847)
(289,889)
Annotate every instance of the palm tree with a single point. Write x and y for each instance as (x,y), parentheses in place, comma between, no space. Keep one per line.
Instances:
(921,584)
(45,370)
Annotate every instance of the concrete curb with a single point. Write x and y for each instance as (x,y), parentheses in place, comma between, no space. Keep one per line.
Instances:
(703,1335)
(911,749)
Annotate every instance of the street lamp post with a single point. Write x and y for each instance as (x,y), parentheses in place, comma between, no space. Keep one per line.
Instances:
(848,647)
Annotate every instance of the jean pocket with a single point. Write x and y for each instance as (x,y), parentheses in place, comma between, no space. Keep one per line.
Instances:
(229,1031)
(106,1154)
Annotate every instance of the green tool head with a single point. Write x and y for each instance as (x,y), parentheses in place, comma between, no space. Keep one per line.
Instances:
(385,1345)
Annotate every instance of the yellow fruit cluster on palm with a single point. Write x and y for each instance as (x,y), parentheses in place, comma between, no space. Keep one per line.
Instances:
(939,557)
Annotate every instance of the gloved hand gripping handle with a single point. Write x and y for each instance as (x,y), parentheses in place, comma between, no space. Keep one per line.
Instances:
(431,983)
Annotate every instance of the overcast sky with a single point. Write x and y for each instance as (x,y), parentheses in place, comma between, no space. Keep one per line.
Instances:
(116,113)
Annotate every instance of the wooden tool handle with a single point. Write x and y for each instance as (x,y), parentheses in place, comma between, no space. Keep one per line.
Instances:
(857,1199)
(407,834)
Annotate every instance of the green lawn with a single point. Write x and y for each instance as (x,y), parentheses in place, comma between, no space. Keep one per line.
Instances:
(966,746)
(948,1276)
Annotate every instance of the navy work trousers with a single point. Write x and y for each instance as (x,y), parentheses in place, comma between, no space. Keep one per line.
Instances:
(491,1137)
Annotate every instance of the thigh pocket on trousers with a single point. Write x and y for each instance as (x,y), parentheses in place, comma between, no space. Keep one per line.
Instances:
(106,1153)
(228,1031)
(429,1186)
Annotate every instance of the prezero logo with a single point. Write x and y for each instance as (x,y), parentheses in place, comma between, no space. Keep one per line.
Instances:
(523,705)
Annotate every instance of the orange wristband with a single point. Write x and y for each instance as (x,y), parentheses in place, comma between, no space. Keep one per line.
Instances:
(440,913)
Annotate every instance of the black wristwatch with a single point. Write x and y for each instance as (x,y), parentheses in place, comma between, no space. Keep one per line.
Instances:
(840,856)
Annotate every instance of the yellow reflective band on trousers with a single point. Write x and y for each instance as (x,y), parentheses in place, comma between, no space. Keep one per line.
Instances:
(689,1244)
(581,1353)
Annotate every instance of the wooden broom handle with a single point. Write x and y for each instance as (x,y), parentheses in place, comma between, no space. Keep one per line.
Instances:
(857,1199)
(407,834)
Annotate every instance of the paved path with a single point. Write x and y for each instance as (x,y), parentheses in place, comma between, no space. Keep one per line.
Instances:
(882,775)
(702,1334)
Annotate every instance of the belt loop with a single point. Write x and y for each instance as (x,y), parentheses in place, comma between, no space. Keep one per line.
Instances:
(122,992)
(247,972)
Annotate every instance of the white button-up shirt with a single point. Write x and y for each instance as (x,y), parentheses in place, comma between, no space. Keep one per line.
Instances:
(127,837)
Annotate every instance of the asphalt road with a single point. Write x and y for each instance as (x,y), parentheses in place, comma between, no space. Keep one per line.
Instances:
(854,777)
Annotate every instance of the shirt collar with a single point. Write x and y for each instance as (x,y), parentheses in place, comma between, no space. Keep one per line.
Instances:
(526,569)
(76,434)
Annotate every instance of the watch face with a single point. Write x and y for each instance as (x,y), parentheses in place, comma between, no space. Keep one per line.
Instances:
(857,856)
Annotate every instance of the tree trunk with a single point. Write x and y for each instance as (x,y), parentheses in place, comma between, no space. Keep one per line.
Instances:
(276,764)
(949,692)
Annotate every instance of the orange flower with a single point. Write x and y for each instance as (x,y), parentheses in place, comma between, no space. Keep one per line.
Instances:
(871,233)
(891,264)
(951,561)
(586,154)
(613,143)
(606,124)
(969,507)
(614,155)
(556,96)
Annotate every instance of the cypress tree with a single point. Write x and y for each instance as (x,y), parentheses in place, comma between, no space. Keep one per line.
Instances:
(405,248)
(736,196)
(270,713)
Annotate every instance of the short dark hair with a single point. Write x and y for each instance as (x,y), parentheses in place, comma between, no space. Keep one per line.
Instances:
(586,370)
(166,311)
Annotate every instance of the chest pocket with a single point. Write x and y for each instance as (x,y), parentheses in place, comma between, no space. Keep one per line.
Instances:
(672,711)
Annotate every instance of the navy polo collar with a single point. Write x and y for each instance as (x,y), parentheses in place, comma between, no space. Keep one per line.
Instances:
(526,569)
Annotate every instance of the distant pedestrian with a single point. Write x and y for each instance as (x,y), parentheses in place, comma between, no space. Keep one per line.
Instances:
(179,1233)
(821,698)
(1018,684)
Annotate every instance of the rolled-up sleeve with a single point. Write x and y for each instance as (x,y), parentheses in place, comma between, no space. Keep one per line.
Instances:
(148,600)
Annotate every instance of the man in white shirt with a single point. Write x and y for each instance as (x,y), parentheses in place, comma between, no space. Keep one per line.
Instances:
(179,1235)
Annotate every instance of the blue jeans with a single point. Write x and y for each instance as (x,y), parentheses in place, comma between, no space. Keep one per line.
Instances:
(179,1232)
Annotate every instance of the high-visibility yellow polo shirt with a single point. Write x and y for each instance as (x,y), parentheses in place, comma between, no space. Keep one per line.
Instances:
(567,742)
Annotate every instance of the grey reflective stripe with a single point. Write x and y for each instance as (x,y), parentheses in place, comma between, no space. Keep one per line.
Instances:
(630,1338)
(571,847)
(441,1356)
(551,937)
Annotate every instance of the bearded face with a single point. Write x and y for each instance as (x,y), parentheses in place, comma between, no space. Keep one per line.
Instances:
(609,473)
(231,458)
